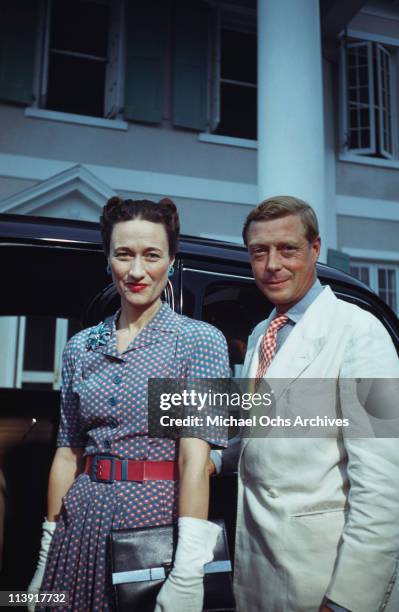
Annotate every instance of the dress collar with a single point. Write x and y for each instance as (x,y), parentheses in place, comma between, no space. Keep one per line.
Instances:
(165,321)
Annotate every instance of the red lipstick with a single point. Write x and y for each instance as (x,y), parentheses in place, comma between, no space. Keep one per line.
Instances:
(136,287)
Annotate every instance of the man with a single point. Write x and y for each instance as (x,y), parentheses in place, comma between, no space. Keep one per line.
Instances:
(317,518)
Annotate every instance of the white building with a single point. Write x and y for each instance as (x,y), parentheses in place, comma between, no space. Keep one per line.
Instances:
(216,104)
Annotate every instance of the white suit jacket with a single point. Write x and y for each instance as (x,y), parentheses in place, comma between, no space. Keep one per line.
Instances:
(319,516)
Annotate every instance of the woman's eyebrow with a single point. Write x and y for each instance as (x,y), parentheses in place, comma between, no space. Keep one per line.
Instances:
(129,248)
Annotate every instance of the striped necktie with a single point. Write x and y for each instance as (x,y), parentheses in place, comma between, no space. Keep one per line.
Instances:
(268,346)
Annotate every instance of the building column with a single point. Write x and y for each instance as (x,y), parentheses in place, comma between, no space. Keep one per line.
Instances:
(290,103)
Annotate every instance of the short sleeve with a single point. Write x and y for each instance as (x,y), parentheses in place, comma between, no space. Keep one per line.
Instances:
(70,430)
(208,358)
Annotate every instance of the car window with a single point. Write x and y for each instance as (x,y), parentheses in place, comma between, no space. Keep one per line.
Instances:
(231,303)
(31,349)
(45,290)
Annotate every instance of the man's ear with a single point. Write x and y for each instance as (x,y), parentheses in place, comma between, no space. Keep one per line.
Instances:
(316,245)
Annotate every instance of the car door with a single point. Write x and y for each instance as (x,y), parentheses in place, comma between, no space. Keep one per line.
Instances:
(45,288)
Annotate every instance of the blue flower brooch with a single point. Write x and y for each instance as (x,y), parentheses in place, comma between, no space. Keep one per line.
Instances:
(99,336)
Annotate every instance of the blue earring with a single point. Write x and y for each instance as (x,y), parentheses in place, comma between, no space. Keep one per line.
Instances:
(171,271)
(108,268)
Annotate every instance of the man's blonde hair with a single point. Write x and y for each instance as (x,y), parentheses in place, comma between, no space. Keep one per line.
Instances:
(283,206)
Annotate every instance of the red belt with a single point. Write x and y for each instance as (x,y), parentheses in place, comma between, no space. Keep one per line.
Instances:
(103,468)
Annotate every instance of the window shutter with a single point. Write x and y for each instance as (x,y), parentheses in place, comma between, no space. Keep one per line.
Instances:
(360,103)
(190,84)
(18,32)
(113,100)
(215,72)
(145,52)
(384,101)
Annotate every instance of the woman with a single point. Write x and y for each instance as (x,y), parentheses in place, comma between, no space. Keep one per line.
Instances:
(104,412)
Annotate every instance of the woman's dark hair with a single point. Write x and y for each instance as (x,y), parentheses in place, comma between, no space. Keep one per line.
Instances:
(164,212)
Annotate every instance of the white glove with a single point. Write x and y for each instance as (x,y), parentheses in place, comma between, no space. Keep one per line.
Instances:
(48,529)
(183,591)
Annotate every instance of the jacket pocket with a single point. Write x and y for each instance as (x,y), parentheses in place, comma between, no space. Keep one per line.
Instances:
(317,531)
(312,544)
(318,513)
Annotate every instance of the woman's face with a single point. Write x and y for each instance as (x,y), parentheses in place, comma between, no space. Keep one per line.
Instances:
(139,260)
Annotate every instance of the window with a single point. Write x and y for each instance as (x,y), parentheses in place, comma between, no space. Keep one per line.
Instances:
(368,101)
(81,70)
(39,314)
(382,278)
(387,287)
(362,273)
(234,111)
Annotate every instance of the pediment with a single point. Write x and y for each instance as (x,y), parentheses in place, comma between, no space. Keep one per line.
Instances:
(73,194)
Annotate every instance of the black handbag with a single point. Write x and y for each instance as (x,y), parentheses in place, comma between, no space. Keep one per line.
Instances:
(142,558)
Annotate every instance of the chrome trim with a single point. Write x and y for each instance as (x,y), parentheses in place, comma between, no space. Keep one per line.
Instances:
(154,573)
(158,573)
(224,274)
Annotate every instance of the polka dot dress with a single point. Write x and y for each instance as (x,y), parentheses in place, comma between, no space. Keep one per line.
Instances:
(104,410)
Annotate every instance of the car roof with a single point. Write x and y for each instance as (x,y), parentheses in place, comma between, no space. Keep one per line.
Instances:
(86,235)
(204,254)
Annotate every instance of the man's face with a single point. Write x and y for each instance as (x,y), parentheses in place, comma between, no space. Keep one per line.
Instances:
(282,259)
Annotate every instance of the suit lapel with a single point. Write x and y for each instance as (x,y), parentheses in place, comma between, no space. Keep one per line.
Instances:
(295,356)
(298,352)
(302,346)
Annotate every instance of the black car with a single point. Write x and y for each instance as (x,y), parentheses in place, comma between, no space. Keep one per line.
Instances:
(54,282)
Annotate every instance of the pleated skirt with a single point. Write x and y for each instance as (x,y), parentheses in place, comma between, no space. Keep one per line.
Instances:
(78,560)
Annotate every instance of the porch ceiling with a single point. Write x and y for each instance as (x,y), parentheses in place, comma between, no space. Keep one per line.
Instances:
(336,14)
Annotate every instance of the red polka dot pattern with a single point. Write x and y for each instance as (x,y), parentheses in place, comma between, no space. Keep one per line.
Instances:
(104,410)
